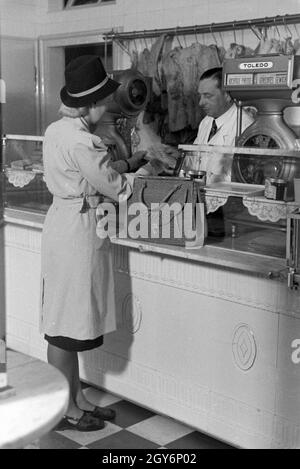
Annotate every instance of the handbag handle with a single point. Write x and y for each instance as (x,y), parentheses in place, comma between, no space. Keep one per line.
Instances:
(165,199)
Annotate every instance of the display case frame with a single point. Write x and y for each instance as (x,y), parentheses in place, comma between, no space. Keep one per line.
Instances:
(24,187)
(268,216)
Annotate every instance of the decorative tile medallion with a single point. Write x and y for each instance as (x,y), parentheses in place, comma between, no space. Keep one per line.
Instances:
(132,313)
(244,347)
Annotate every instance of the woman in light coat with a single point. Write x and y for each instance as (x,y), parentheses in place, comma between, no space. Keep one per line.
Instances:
(77,294)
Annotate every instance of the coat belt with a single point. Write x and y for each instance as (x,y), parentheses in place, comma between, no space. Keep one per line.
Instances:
(84,203)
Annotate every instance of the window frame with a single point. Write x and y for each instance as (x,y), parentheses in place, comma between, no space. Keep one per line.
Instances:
(70,4)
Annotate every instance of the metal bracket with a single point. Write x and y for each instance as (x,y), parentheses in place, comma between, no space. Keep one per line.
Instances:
(293,249)
(293,279)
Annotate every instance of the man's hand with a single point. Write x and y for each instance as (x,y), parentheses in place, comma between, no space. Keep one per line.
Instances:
(137,160)
(172,152)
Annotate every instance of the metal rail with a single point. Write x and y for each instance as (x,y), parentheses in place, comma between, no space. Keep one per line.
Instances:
(279,20)
(253,151)
(31,138)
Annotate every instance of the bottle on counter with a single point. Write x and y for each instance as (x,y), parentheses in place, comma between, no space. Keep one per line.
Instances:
(275,188)
(200,176)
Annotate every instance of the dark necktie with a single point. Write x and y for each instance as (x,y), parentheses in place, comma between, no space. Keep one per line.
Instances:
(213,130)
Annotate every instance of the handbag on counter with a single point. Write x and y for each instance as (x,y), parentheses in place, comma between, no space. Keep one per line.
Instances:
(167,210)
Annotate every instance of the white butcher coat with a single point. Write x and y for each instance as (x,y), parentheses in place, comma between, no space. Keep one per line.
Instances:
(218,165)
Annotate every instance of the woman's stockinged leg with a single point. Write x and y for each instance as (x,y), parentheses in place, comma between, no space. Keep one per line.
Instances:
(79,397)
(84,404)
(66,361)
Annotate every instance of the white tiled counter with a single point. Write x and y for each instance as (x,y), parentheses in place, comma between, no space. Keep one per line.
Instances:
(206,336)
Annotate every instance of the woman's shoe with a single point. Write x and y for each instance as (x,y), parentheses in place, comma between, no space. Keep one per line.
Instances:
(104,413)
(86,423)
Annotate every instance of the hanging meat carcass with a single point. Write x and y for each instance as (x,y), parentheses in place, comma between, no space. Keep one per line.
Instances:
(288,46)
(220,51)
(238,50)
(267,44)
(149,60)
(144,135)
(143,62)
(149,63)
(182,68)
(173,83)
(297,47)
(145,138)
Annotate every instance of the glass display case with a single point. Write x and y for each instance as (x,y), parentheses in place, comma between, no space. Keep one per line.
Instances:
(249,215)
(24,187)
(241,216)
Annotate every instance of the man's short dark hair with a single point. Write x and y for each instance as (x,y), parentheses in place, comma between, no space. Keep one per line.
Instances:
(215,73)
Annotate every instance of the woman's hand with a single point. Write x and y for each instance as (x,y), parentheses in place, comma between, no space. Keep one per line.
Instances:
(161,160)
(154,167)
(137,160)
(157,165)
(160,166)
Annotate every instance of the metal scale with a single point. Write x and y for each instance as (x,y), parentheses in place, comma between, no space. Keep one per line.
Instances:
(266,83)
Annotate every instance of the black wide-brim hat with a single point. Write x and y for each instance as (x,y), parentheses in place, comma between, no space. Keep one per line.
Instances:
(86,82)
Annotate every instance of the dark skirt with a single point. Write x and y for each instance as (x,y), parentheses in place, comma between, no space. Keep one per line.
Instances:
(74,345)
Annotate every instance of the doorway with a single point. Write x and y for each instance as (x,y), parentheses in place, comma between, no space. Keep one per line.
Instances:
(54,55)
(71,52)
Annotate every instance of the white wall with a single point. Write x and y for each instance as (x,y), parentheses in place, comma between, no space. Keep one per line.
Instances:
(131,15)
(18,18)
(142,14)
(32,18)
(18,27)
(18,71)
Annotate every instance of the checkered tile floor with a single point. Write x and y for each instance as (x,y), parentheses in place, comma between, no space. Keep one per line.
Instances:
(133,428)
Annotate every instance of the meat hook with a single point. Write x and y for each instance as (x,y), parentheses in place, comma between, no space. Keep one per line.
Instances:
(253,29)
(234,34)
(135,45)
(265,30)
(212,33)
(123,47)
(177,37)
(221,38)
(195,32)
(144,37)
(286,26)
(276,27)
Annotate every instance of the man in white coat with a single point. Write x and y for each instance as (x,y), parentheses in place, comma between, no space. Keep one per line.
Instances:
(217,128)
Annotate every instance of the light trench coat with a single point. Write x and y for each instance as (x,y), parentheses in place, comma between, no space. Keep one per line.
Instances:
(77,284)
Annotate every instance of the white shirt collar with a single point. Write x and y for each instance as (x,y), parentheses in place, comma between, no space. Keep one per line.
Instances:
(225,117)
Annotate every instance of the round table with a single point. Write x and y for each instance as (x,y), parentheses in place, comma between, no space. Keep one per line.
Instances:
(39,401)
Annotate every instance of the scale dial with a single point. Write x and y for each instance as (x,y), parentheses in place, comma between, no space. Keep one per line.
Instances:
(252,169)
(261,141)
